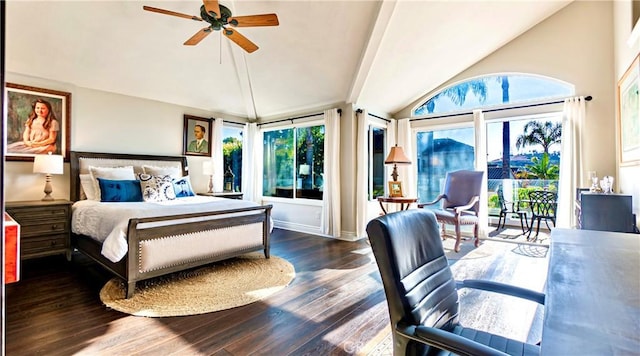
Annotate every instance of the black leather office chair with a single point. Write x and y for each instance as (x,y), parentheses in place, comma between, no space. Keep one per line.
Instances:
(460,203)
(422,295)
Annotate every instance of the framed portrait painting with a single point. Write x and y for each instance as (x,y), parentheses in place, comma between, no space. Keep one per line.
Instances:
(197,136)
(629,114)
(38,122)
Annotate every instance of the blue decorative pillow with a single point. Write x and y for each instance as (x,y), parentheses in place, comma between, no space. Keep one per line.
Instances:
(182,187)
(119,190)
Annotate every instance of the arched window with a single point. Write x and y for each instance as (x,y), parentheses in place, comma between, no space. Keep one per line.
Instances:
(494,90)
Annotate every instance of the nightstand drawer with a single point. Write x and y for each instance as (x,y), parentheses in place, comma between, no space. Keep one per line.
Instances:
(47,245)
(30,215)
(43,228)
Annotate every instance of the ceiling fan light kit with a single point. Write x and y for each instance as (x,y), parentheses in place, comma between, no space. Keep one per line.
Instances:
(219,18)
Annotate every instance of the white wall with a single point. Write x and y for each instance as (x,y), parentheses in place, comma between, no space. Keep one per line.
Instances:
(625,51)
(107,122)
(573,45)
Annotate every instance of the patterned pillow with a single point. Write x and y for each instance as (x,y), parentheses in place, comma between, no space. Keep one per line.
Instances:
(156,188)
(120,190)
(182,187)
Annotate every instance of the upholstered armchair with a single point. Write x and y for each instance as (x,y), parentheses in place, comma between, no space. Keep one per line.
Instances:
(422,294)
(460,203)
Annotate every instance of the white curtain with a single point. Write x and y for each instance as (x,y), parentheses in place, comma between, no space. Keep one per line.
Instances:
(331,191)
(252,163)
(407,172)
(570,160)
(216,156)
(362,173)
(392,140)
(480,129)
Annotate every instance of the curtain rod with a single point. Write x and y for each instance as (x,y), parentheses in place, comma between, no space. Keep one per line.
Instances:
(359,111)
(296,118)
(587,98)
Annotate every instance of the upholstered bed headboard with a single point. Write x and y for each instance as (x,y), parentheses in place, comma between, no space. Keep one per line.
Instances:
(81,161)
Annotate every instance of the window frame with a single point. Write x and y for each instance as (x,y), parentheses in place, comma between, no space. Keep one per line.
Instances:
(266,127)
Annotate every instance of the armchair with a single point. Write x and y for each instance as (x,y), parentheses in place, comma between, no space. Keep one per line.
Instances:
(422,295)
(459,203)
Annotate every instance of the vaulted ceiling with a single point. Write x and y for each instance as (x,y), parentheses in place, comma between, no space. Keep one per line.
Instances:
(381,55)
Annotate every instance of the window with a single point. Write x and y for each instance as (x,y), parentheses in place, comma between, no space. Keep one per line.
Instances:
(439,152)
(294,163)
(523,152)
(376,150)
(232,153)
(494,90)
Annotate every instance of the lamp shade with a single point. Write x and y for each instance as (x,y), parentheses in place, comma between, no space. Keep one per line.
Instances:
(49,164)
(397,156)
(207,168)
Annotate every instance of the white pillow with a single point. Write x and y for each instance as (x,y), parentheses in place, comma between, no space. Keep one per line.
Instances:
(87,187)
(156,188)
(114,173)
(174,172)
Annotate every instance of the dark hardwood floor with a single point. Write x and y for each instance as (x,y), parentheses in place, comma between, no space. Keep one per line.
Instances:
(335,305)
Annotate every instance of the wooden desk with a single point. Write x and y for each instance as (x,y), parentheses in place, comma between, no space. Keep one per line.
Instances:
(397,200)
(592,304)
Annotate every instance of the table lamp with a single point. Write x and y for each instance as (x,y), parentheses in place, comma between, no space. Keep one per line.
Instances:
(207,169)
(396,156)
(48,164)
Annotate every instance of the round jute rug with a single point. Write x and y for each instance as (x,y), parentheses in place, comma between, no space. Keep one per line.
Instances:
(223,285)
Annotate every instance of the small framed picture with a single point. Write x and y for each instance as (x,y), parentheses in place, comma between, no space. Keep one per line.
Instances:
(197,136)
(395,189)
(38,122)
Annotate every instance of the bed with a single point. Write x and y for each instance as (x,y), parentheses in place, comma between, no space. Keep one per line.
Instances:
(172,236)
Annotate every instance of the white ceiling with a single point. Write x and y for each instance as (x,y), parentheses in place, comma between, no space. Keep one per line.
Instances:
(377,55)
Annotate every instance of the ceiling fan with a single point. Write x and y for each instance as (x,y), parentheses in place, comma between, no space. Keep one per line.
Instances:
(220,18)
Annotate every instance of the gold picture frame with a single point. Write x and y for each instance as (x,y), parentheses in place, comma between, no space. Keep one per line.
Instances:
(629,114)
(22,101)
(395,189)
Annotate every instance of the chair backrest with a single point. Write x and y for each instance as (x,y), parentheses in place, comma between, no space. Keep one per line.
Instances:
(501,201)
(460,187)
(543,202)
(418,282)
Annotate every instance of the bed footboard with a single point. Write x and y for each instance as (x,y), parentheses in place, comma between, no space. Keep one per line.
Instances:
(166,244)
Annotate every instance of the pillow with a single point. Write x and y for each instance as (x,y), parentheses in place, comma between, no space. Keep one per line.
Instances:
(119,190)
(115,173)
(174,172)
(182,187)
(156,188)
(87,187)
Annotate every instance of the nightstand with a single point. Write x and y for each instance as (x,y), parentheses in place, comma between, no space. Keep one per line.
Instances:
(230,195)
(45,227)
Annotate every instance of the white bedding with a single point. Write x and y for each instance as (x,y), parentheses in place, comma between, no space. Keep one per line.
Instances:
(107,222)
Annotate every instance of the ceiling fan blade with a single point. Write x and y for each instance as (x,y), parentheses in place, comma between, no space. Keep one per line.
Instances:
(240,40)
(254,20)
(199,36)
(172,13)
(212,6)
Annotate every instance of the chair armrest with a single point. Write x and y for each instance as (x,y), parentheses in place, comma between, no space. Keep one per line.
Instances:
(502,288)
(446,340)
(438,198)
(467,206)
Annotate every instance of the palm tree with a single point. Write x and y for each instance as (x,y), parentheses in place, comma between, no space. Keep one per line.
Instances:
(543,169)
(536,133)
